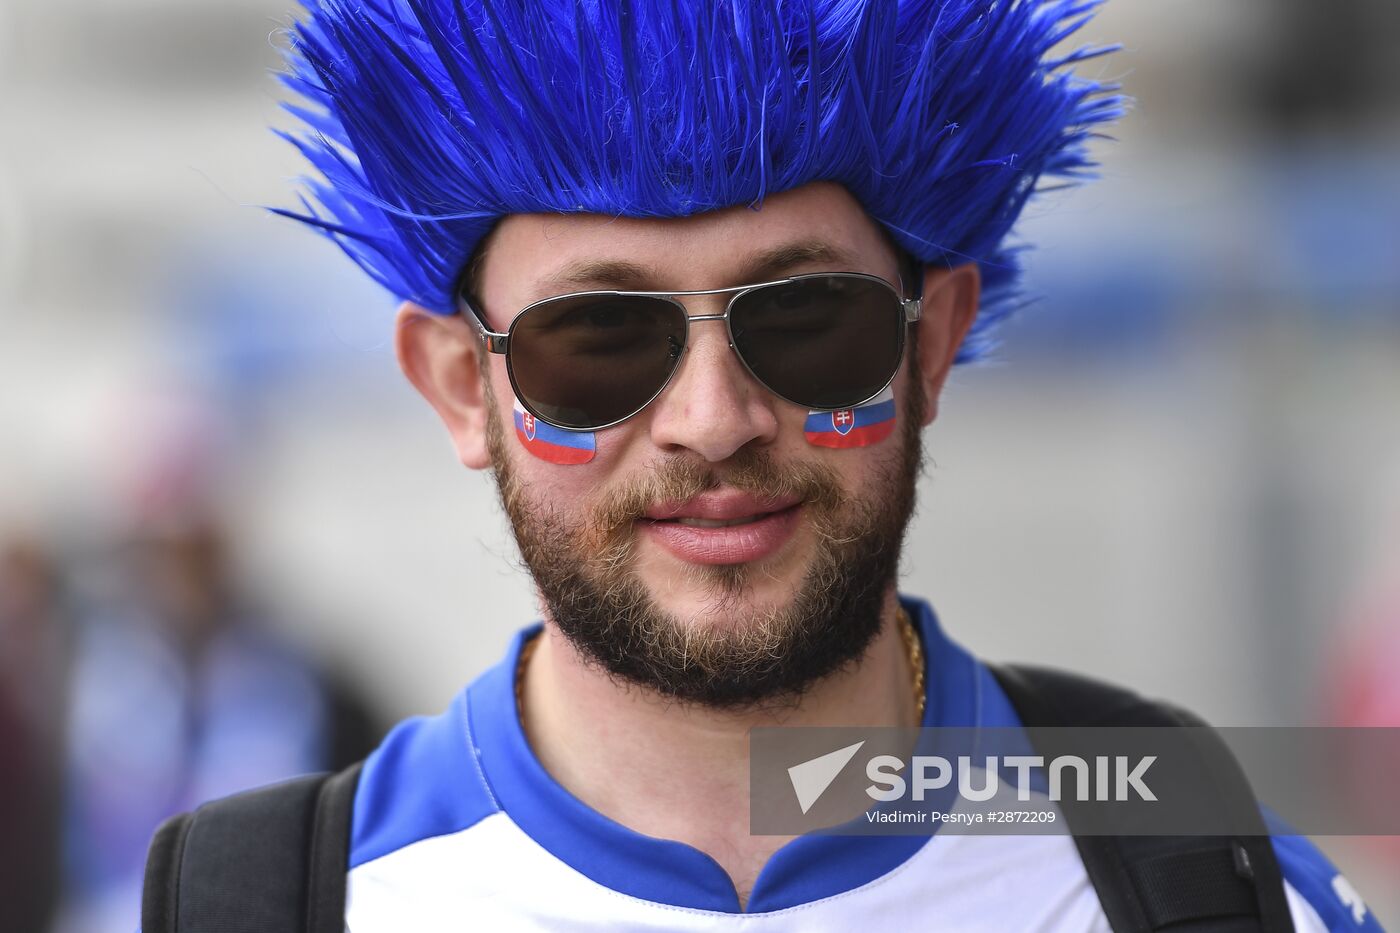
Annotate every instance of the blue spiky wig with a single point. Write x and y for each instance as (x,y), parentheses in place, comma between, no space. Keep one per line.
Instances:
(429,120)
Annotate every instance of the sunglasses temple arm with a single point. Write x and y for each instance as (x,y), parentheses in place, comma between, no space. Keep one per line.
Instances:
(495,343)
(912,278)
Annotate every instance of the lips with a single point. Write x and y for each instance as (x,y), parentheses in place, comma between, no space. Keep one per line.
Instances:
(722,526)
(726,505)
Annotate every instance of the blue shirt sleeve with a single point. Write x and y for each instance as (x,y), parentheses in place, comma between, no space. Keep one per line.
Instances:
(1338,904)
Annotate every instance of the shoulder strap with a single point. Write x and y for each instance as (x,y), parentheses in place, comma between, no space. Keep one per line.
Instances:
(330,853)
(271,860)
(1145,883)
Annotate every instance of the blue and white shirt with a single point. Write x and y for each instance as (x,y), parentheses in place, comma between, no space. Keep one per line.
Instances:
(458,826)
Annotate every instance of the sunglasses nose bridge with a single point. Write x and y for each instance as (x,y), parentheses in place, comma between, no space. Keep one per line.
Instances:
(712,300)
(712,304)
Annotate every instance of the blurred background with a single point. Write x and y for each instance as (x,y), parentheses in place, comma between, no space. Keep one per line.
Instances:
(234,544)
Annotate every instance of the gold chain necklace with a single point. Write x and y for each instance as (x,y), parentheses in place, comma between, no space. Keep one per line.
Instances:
(913,647)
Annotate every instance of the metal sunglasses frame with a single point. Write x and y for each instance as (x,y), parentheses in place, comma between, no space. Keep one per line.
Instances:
(500,342)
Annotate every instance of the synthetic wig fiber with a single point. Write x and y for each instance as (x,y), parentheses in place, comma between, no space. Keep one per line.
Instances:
(428,120)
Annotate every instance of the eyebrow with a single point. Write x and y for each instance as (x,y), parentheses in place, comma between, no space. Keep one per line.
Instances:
(624,275)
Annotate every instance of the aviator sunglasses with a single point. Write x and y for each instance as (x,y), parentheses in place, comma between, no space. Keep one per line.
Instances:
(589,360)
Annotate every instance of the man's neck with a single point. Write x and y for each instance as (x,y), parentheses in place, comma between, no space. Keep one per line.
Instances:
(676,771)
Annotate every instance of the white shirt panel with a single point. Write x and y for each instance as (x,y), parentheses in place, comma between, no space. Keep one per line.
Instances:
(492,876)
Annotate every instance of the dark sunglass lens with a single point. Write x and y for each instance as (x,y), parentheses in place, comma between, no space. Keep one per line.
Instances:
(824,341)
(589,360)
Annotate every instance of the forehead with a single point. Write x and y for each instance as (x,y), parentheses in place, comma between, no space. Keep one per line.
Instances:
(817,226)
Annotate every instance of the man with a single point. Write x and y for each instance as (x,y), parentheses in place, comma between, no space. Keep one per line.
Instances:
(689,280)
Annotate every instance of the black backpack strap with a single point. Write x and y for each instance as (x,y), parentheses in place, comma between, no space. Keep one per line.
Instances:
(271,860)
(1210,884)
(160,893)
(330,853)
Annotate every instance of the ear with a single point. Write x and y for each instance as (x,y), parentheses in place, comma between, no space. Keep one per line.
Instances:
(951,297)
(439,354)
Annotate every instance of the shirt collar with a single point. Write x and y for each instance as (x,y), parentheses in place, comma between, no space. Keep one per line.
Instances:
(808,868)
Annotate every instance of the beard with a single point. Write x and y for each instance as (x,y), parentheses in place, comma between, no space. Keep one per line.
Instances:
(731,656)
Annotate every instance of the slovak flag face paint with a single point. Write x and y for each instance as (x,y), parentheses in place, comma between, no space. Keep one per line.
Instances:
(552,444)
(853,427)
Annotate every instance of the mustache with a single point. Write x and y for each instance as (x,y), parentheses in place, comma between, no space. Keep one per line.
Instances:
(749,470)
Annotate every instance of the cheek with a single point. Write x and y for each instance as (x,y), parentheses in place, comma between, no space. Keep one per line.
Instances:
(863,426)
(550,444)
(571,465)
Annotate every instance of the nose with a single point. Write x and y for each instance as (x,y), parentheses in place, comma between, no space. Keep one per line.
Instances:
(713,406)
